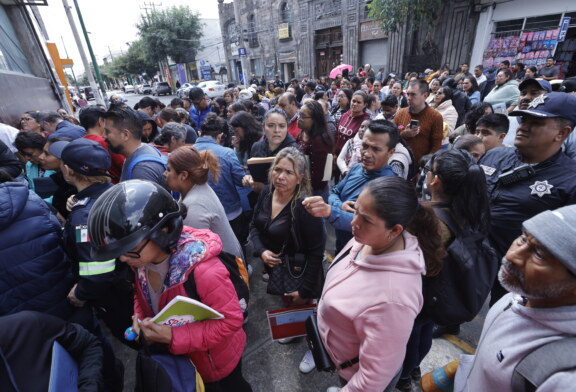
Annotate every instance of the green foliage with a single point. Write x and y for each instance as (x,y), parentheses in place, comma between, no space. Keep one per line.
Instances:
(174,32)
(394,13)
(135,62)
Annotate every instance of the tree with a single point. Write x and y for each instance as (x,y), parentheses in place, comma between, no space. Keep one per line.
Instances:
(394,13)
(138,61)
(174,32)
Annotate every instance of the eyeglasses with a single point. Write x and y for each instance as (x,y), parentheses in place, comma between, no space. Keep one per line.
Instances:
(26,118)
(135,254)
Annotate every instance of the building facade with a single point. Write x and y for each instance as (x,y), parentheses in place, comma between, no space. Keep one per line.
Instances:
(298,38)
(27,80)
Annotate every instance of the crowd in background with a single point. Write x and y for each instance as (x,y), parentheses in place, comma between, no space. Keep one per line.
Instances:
(109,213)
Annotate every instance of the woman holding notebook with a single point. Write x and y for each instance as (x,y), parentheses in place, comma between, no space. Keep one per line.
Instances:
(140,223)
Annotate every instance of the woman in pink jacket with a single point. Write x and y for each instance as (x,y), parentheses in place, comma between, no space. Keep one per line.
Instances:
(140,223)
(373,292)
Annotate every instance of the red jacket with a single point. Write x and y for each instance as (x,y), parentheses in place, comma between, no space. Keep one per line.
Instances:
(214,346)
(348,126)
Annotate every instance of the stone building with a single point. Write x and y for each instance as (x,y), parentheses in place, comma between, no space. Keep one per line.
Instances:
(297,38)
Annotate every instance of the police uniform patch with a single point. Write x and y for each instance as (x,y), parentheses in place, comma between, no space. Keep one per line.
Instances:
(541,188)
(82,234)
(537,101)
(488,170)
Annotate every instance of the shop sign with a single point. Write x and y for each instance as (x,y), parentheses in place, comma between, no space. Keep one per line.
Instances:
(564,28)
(371,30)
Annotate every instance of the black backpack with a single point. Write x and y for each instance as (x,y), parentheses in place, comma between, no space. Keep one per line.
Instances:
(238,277)
(539,365)
(458,292)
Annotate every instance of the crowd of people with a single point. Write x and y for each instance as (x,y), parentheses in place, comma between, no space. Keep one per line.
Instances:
(112,212)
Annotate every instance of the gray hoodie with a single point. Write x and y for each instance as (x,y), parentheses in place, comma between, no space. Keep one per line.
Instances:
(512,331)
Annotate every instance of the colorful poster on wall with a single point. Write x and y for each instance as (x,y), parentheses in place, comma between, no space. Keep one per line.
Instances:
(529,47)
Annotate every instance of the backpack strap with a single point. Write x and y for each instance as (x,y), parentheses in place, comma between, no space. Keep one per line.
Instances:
(536,367)
(162,159)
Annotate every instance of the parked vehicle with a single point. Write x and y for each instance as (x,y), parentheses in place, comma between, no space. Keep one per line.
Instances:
(184,89)
(213,88)
(128,88)
(145,89)
(161,88)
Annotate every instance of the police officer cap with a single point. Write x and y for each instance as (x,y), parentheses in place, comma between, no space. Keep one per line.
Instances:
(551,105)
(86,157)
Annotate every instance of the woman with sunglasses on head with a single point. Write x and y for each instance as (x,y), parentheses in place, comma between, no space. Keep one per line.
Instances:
(140,223)
(373,290)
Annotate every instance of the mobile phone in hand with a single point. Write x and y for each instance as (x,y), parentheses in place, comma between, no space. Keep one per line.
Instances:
(414,123)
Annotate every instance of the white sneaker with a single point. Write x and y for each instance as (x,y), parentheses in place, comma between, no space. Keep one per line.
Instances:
(334,389)
(286,340)
(265,277)
(307,363)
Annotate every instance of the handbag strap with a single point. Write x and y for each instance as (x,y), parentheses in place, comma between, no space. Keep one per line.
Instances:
(339,259)
(9,371)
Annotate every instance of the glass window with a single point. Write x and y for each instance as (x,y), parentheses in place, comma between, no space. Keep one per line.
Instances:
(543,22)
(509,25)
(12,58)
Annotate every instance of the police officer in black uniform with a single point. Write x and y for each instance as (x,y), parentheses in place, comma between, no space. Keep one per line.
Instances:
(533,176)
(84,164)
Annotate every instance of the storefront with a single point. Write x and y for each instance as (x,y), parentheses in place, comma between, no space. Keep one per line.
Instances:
(373,45)
(521,31)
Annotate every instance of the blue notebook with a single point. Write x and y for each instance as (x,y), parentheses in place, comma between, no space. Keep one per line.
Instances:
(63,372)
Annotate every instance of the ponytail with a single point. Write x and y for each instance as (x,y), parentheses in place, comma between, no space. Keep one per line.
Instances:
(425,226)
(197,164)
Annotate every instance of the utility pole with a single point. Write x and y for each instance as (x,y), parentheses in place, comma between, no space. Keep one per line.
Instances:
(94,62)
(72,68)
(109,51)
(82,53)
(243,59)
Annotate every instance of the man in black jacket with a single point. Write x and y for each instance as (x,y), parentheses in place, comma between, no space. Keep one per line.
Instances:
(459,100)
(26,341)
(9,162)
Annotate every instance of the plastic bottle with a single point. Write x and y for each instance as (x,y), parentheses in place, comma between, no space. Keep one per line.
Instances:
(441,379)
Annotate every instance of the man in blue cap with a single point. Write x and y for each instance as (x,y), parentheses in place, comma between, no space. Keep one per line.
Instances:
(535,175)
(530,89)
(84,164)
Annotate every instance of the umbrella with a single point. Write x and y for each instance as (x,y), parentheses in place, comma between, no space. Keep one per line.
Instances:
(338,70)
